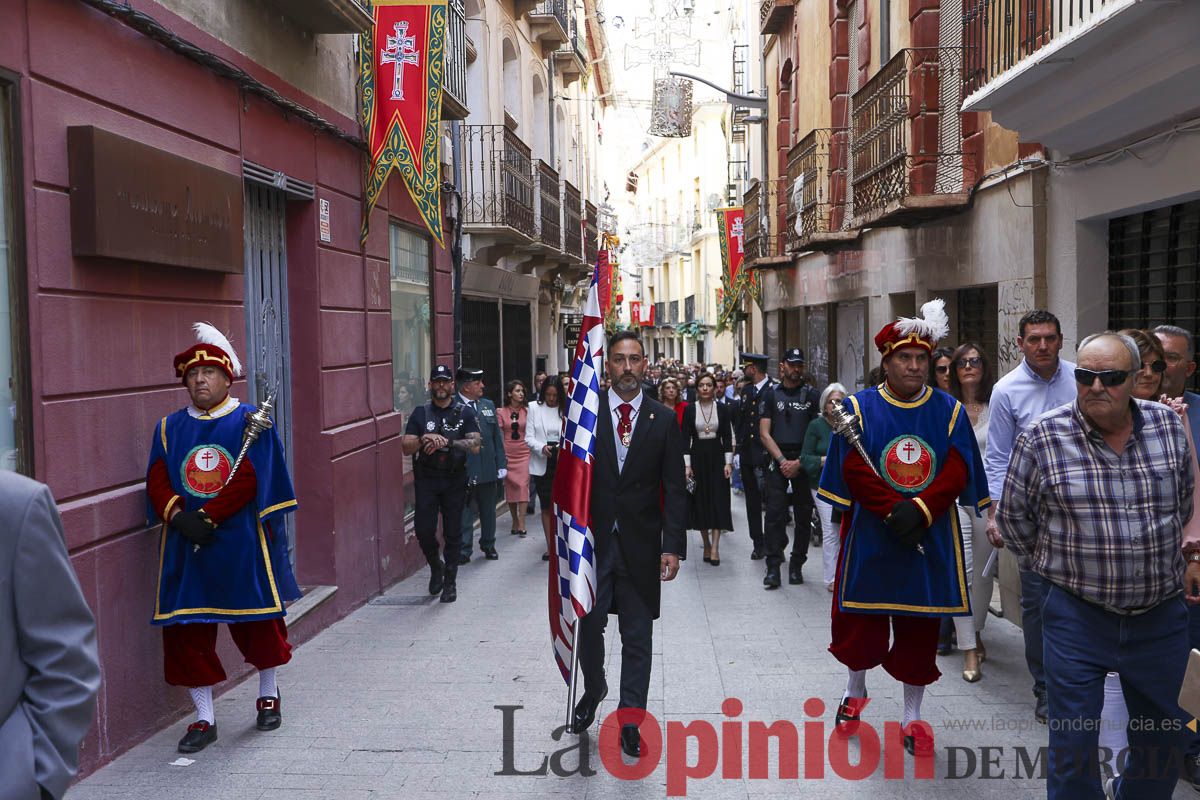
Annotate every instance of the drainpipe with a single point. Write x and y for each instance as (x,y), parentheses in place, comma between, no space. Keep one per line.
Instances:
(456,247)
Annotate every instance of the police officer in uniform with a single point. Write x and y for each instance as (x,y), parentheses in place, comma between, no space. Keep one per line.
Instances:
(750,454)
(784,413)
(484,469)
(441,434)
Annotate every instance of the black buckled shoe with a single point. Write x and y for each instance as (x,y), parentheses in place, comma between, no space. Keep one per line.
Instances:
(270,713)
(437,575)
(631,741)
(849,715)
(199,736)
(449,593)
(490,553)
(772,581)
(585,709)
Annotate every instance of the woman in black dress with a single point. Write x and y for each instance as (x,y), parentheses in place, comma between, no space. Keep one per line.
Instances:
(708,456)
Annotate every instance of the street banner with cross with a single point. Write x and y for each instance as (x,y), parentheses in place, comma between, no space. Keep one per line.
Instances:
(734,280)
(401,63)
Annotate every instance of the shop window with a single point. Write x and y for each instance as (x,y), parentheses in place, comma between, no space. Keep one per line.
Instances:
(15,451)
(412,329)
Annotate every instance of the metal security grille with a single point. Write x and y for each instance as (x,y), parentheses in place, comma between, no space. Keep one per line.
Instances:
(518,345)
(978,312)
(1154,270)
(481,344)
(267,356)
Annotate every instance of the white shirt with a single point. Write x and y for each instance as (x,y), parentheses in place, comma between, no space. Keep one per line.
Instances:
(466,400)
(220,410)
(614,400)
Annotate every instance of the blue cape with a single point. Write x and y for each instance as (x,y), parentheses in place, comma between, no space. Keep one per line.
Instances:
(908,443)
(245,574)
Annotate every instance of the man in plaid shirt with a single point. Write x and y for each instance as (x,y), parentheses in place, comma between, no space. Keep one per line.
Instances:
(1097,495)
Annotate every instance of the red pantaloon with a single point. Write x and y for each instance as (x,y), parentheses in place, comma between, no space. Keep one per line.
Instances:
(190,650)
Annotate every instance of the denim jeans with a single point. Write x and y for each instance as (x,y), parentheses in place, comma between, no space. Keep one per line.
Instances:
(1033,594)
(1083,643)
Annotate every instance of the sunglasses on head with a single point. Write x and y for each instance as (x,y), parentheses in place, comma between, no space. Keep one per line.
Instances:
(973,361)
(1158,366)
(1108,377)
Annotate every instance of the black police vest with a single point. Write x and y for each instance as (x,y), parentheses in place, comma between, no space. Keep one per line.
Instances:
(449,461)
(791,411)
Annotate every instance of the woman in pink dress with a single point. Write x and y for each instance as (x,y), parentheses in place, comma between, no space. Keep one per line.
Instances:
(516,484)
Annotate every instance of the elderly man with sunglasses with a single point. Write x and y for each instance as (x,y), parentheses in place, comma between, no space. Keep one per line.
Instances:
(1096,496)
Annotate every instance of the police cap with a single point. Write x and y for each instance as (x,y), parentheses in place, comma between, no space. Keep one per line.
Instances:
(467,374)
(754,359)
(794,356)
(441,373)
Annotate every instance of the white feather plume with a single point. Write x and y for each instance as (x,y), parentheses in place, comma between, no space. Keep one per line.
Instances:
(933,324)
(207,334)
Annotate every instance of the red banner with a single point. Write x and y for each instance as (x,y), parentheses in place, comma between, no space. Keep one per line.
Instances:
(604,270)
(733,249)
(401,64)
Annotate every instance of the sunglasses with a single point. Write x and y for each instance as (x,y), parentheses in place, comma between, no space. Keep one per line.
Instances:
(974,361)
(1159,366)
(1107,377)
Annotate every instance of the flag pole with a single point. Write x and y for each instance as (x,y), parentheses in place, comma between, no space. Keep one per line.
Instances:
(573,688)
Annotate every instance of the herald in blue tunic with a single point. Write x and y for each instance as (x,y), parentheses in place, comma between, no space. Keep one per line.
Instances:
(245,573)
(908,443)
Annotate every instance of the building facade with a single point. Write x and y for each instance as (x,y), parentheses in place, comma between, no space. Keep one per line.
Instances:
(877,192)
(237,119)
(527,160)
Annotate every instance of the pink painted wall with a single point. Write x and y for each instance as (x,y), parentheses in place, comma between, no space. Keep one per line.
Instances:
(102,334)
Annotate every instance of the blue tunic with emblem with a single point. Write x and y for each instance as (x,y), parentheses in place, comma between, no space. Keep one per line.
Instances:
(908,443)
(244,574)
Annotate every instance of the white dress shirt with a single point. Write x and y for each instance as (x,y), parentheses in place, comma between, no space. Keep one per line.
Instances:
(614,400)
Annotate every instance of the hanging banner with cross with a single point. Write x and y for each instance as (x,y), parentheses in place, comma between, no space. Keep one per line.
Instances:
(401,63)
(734,279)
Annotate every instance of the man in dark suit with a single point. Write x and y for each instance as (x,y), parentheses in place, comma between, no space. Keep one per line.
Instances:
(638,512)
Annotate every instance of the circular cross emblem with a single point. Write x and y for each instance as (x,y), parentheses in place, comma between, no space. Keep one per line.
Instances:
(431,426)
(206,469)
(780,405)
(908,463)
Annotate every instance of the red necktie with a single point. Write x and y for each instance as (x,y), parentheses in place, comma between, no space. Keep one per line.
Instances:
(625,424)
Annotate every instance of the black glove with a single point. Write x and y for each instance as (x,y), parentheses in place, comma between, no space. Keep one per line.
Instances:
(195,526)
(907,523)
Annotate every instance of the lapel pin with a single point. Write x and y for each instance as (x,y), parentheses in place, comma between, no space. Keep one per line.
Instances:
(651,415)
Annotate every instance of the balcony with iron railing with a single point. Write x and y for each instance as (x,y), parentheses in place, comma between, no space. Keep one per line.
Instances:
(549,24)
(591,233)
(1077,75)
(548,209)
(906,151)
(569,61)
(764,244)
(454,79)
(498,188)
(774,15)
(572,216)
(815,163)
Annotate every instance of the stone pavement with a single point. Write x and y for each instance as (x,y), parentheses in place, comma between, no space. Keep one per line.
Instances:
(397,701)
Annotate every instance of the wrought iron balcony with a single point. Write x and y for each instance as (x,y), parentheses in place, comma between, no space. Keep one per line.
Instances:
(454,80)
(1081,75)
(591,233)
(764,245)
(907,160)
(549,25)
(569,60)
(774,15)
(815,164)
(572,216)
(327,16)
(549,208)
(498,182)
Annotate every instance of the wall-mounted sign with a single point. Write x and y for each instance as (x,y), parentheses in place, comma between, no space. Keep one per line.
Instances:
(325,234)
(134,202)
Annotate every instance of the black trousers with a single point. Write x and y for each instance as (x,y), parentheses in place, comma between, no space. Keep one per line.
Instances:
(752,491)
(636,624)
(779,502)
(444,498)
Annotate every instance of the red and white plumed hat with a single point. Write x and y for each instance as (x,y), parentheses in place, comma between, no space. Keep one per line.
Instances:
(212,349)
(924,331)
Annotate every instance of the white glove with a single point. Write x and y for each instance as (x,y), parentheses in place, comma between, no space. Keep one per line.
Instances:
(501,474)
(737,461)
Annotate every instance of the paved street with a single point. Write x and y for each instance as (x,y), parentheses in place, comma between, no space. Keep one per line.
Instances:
(398,700)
